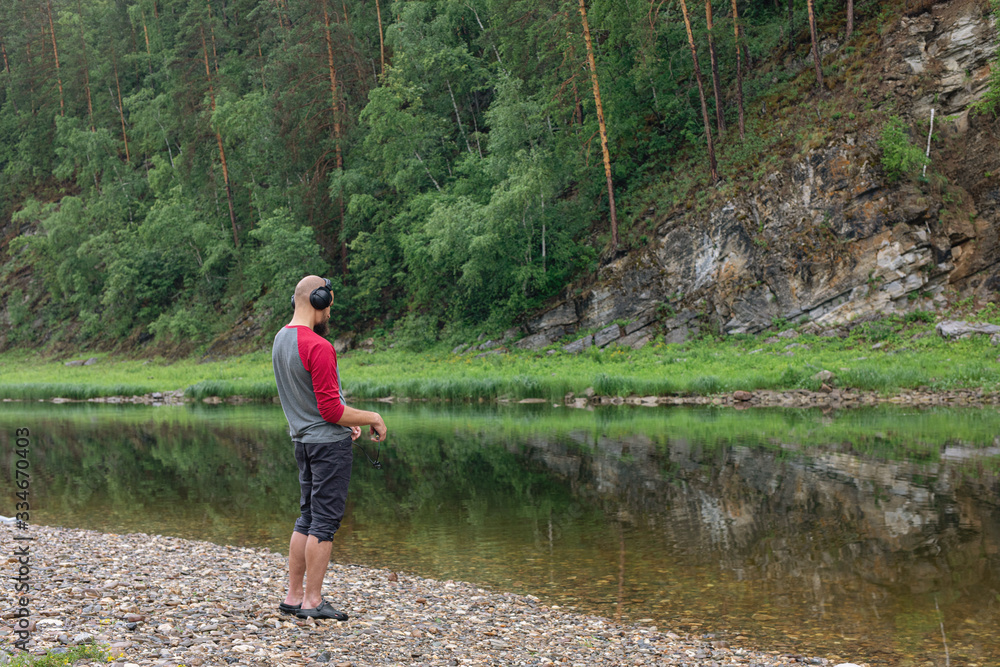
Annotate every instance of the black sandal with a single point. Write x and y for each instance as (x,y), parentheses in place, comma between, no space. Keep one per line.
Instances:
(323,611)
(289,608)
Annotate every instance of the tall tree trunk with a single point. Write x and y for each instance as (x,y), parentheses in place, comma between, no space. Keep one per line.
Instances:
(739,67)
(121,111)
(6,63)
(222,149)
(483,28)
(211,31)
(358,67)
(713,168)
(458,118)
(145,34)
(55,53)
(28,73)
(10,78)
(720,119)
(3,49)
(600,124)
(335,110)
(815,44)
(281,20)
(86,67)
(381,38)
(850,19)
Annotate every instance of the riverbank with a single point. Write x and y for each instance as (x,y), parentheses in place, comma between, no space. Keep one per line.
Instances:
(883,360)
(800,398)
(164,601)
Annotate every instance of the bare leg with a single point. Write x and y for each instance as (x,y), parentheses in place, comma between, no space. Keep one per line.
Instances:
(317,558)
(296,568)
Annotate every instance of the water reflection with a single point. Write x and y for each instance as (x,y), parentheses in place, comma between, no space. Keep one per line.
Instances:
(872,535)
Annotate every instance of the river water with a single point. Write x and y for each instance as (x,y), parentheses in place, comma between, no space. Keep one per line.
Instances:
(870,535)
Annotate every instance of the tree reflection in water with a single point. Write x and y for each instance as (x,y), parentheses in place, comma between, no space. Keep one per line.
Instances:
(872,535)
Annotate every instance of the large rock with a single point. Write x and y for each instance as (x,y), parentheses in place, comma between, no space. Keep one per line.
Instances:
(951,47)
(343,343)
(540,339)
(679,335)
(641,321)
(953,329)
(562,315)
(606,335)
(637,339)
(579,345)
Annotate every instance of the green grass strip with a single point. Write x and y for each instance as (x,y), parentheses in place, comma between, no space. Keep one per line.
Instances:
(886,356)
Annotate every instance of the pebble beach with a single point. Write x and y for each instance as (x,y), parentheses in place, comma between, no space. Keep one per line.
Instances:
(166,601)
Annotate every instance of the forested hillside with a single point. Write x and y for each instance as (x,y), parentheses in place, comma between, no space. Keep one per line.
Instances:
(170,165)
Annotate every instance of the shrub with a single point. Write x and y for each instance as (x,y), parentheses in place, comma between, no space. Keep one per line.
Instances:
(925,316)
(899,156)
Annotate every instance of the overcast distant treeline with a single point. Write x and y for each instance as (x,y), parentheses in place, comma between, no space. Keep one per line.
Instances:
(447,163)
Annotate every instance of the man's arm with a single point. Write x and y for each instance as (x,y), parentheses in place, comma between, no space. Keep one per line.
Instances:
(353,417)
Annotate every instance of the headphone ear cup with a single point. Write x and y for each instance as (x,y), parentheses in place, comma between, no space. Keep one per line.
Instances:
(320,298)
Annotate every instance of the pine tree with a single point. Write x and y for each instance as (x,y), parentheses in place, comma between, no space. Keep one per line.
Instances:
(712,167)
(600,121)
(739,68)
(815,44)
(720,119)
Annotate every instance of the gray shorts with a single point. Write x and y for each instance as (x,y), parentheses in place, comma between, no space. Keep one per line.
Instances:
(324,475)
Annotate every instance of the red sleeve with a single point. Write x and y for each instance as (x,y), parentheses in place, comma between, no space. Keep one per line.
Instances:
(320,359)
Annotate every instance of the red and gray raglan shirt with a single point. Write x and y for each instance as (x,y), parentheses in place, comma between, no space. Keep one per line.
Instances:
(305,368)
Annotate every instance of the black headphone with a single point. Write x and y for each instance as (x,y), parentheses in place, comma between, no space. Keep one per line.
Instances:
(321,297)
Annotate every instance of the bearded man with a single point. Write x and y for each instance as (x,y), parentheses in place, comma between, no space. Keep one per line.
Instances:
(322,427)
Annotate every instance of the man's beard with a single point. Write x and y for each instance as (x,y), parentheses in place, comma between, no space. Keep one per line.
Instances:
(322,328)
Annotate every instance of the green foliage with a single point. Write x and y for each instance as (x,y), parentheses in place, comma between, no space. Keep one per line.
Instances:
(19,316)
(416,332)
(878,331)
(172,184)
(924,316)
(285,252)
(69,657)
(900,157)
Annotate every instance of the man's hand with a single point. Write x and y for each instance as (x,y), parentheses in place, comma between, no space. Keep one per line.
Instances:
(358,418)
(379,430)
(355,432)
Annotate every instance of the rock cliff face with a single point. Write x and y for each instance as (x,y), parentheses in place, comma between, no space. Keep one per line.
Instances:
(828,239)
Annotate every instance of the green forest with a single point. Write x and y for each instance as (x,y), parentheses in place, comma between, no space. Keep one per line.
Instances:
(170,165)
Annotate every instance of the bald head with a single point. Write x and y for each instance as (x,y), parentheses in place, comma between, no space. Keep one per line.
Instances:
(304,289)
(306,313)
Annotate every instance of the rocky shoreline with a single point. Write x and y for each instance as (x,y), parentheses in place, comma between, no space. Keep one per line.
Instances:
(166,602)
(828,397)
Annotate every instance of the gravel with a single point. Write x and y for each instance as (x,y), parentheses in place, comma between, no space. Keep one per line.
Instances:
(167,601)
